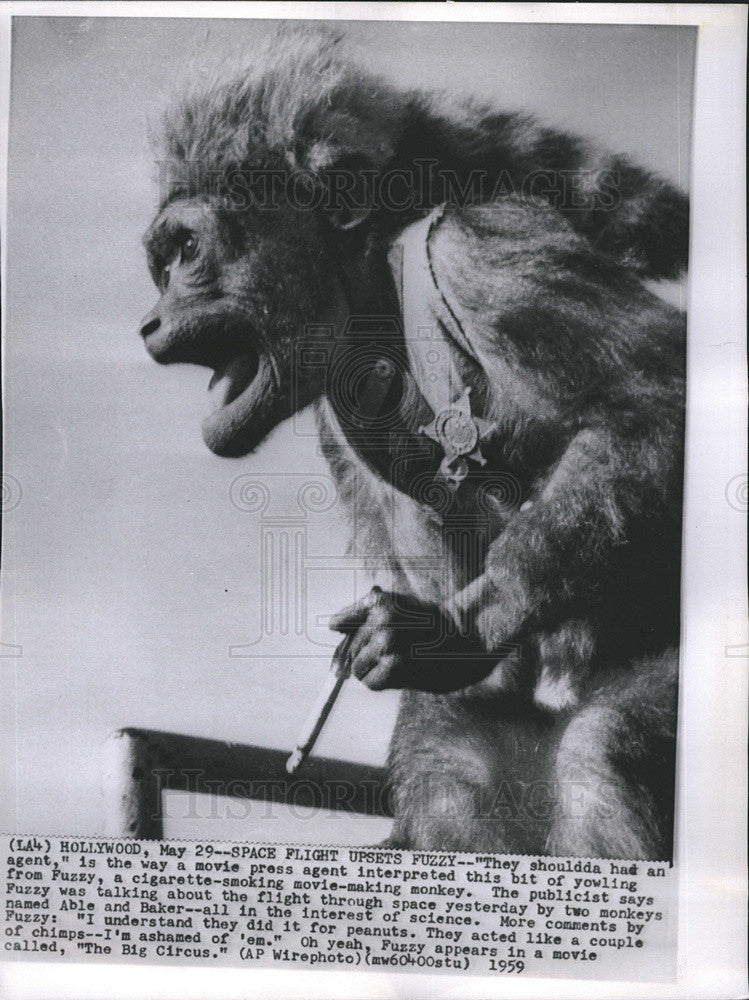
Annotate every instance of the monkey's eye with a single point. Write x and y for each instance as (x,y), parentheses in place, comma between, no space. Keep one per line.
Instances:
(188,249)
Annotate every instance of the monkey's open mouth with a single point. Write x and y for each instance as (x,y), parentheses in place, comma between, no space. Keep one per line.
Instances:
(231,379)
(235,393)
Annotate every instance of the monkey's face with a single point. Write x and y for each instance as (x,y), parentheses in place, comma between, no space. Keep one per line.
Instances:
(238,292)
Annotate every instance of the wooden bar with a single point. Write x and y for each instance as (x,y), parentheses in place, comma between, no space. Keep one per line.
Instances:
(140,764)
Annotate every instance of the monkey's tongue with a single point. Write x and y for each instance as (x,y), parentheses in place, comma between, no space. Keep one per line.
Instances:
(231,380)
(236,393)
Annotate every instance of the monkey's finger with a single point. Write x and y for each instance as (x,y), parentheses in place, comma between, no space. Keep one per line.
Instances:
(380,672)
(355,614)
(376,640)
(362,662)
(370,659)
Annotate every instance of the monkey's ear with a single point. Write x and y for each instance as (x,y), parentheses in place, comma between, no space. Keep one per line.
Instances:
(349,187)
(348,180)
(348,218)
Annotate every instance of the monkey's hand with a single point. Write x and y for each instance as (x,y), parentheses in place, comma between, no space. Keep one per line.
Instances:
(396,641)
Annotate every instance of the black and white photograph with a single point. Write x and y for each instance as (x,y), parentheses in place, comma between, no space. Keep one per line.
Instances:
(345,386)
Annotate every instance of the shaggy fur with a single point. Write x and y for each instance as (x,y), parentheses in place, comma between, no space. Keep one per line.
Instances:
(578,369)
(302,104)
(582,371)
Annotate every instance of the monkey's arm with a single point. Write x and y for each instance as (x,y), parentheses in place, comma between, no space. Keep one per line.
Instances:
(556,552)
(551,555)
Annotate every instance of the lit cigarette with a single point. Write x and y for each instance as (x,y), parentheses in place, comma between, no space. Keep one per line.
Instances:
(320,711)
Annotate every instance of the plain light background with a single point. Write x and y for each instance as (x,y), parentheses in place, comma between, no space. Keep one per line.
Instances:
(127,571)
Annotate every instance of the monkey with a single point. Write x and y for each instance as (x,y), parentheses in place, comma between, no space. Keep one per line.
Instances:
(533,640)
(627,428)
(619,595)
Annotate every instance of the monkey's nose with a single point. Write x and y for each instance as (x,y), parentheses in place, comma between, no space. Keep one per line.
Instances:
(150,324)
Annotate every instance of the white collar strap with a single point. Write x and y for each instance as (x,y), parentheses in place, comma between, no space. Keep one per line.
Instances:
(438,349)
